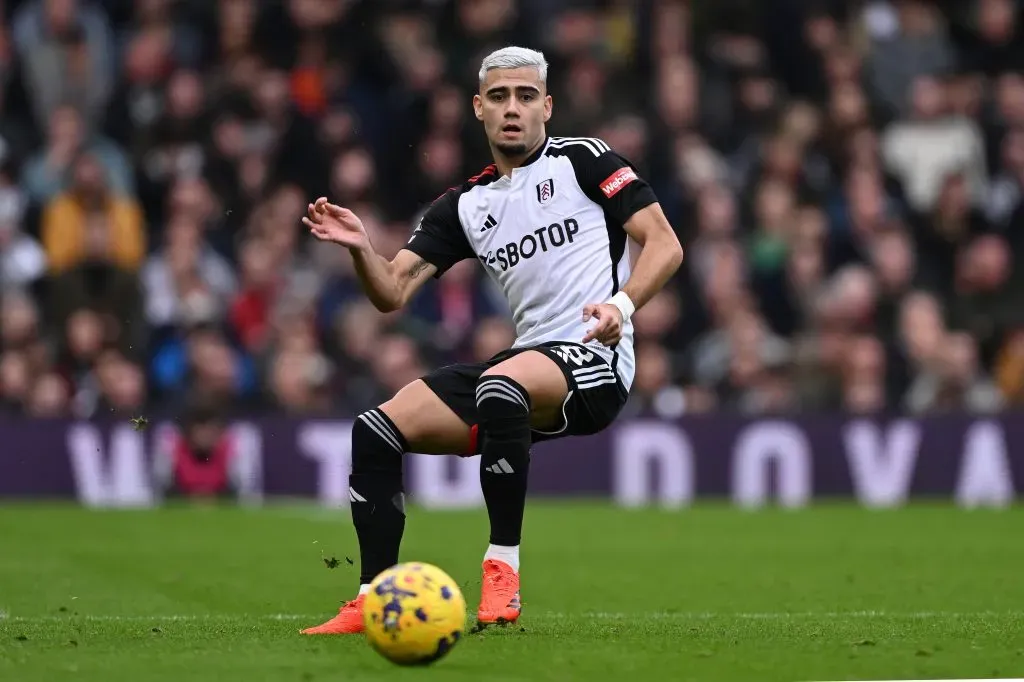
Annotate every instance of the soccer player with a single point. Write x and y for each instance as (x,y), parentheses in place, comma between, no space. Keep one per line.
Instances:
(548,220)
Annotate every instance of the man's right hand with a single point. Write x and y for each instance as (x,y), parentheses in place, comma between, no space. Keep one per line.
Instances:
(332,223)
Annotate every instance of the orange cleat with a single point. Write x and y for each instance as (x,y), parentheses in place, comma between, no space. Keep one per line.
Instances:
(349,620)
(499,595)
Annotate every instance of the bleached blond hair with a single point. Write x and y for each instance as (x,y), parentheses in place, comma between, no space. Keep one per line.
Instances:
(513,57)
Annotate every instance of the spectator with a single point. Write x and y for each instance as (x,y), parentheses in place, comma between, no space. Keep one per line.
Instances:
(914,44)
(251,307)
(203,460)
(22,329)
(956,382)
(847,183)
(83,342)
(202,359)
(49,172)
(90,211)
(67,53)
(655,390)
(15,381)
(48,397)
(863,379)
(931,145)
(98,282)
(1010,368)
(22,259)
(120,385)
(184,265)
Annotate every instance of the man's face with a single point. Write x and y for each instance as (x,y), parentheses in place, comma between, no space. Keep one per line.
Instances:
(514,106)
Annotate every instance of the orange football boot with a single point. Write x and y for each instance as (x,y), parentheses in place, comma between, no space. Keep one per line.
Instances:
(349,620)
(499,594)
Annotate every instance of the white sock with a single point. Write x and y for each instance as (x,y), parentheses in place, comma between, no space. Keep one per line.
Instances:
(363,589)
(510,555)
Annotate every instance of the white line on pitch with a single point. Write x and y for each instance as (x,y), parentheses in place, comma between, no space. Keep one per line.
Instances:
(599,615)
(783,615)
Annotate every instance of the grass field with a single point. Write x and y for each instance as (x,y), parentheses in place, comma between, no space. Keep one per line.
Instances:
(834,593)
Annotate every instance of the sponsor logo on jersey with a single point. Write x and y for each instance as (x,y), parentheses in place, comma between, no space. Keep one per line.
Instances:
(540,240)
(489,223)
(545,191)
(617,180)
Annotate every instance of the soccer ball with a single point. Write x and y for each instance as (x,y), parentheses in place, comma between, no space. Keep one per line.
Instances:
(414,614)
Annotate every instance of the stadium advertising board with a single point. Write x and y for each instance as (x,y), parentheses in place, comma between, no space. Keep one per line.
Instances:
(752,462)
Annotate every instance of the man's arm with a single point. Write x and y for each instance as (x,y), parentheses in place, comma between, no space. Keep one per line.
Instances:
(661,254)
(390,284)
(612,182)
(437,243)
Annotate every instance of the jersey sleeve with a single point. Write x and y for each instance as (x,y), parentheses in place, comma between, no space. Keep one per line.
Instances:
(439,238)
(612,182)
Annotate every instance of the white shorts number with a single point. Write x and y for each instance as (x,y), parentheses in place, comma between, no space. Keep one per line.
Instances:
(574,354)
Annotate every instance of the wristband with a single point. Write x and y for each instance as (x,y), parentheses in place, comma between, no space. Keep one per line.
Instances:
(624,304)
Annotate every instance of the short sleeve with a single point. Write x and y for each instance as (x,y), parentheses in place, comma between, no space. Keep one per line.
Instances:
(611,181)
(439,238)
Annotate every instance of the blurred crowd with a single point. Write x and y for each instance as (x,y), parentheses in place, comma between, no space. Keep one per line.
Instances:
(846,177)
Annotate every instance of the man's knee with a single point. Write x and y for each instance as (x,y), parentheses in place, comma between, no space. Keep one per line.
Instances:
(500,398)
(377,444)
(504,408)
(542,382)
(427,424)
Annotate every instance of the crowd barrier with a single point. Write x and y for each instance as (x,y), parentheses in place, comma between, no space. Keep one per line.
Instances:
(789,462)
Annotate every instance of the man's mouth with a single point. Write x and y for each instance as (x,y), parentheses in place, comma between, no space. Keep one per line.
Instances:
(511,128)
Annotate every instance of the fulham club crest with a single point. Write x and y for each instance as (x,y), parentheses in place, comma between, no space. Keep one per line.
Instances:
(546,191)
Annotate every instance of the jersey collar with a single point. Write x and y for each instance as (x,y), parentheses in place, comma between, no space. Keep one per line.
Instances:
(537,154)
(533,157)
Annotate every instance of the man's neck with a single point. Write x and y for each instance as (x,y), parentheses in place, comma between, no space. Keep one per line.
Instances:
(506,164)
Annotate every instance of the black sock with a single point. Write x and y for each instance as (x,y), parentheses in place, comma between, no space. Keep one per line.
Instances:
(504,409)
(376,492)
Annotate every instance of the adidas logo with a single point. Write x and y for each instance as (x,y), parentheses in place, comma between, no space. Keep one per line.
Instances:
(500,467)
(489,223)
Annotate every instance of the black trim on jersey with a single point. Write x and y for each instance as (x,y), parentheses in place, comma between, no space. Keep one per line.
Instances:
(594,164)
(439,238)
(536,154)
(615,284)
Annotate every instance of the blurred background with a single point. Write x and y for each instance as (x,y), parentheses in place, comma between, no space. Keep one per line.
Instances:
(846,178)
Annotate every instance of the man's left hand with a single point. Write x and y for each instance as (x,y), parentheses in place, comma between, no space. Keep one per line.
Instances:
(609,323)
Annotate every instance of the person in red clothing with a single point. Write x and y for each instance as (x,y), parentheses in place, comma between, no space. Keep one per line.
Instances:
(250,310)
(199,460)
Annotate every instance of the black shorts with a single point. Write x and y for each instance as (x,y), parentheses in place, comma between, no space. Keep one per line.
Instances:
(596,393)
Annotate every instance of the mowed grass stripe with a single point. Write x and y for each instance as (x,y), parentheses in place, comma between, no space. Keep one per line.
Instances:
(549,615)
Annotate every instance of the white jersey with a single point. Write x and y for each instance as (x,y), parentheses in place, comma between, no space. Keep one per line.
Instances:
(551,235)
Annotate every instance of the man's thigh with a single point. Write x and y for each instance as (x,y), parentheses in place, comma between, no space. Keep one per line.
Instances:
(543,380)
(593,397)
(429,425)
(437,414)
(454,388)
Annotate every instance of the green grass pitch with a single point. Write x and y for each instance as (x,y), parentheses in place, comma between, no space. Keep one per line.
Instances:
(709,593)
